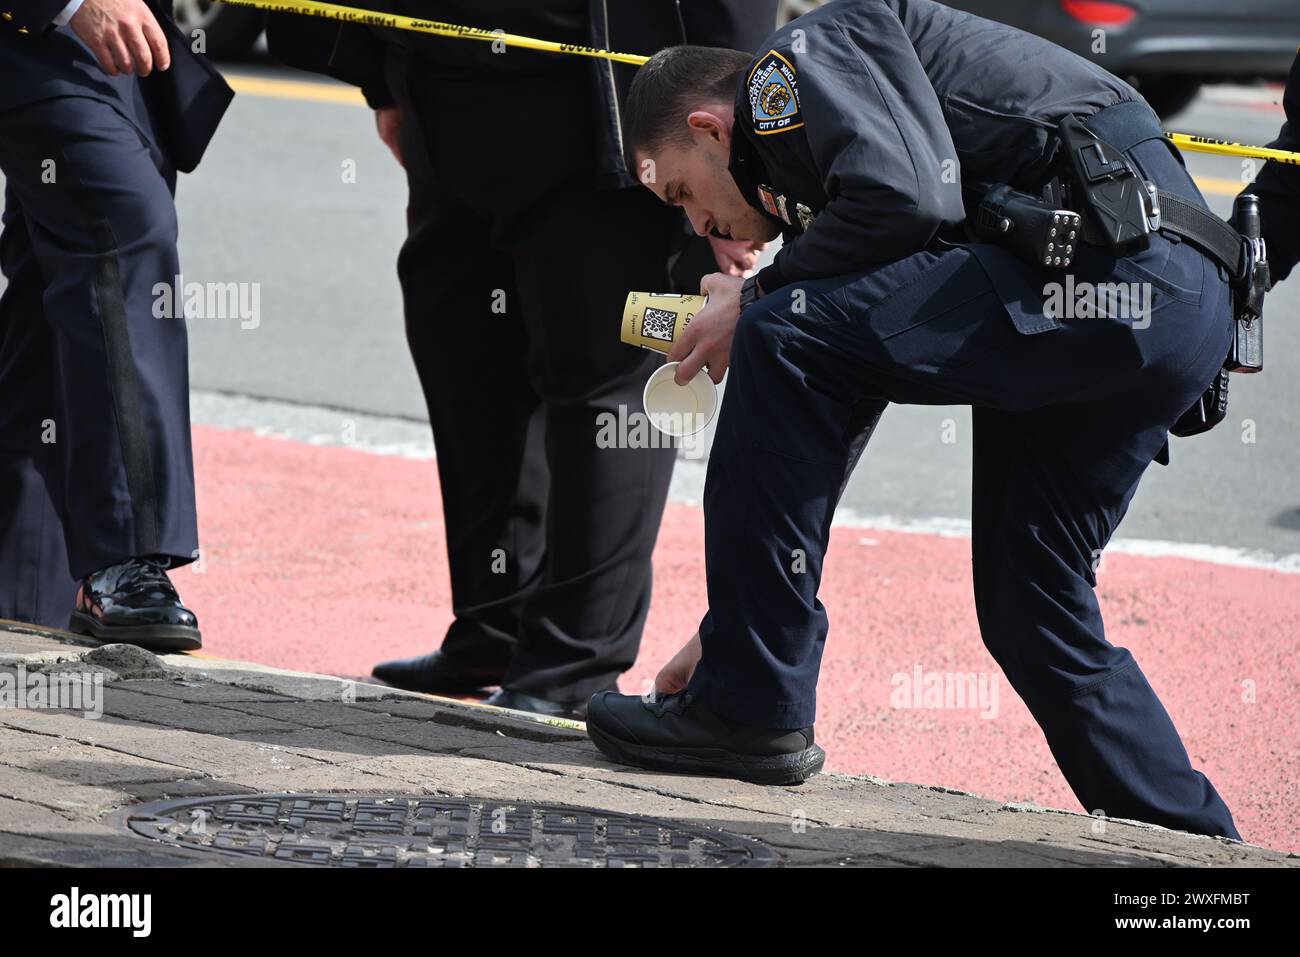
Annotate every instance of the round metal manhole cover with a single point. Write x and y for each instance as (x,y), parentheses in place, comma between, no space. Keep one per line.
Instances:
(404,830)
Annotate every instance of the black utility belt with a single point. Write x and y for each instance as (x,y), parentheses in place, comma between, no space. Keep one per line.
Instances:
(1098,198)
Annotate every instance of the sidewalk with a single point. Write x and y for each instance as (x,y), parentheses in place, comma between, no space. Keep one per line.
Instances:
(367,775)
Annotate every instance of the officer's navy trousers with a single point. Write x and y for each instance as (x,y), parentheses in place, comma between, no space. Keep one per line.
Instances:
(95,458)
(1066,420)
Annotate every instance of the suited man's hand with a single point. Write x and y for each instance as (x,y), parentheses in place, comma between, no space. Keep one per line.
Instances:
(124,36)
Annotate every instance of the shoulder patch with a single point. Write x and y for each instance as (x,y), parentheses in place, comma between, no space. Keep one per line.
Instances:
(773,95)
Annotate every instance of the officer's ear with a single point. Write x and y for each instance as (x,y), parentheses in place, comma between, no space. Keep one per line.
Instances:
(713,123)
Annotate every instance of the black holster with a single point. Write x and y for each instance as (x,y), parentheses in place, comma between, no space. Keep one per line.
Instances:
(1098,197)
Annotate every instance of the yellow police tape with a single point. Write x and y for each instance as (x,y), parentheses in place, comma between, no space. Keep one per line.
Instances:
(372,18)
(1206,144)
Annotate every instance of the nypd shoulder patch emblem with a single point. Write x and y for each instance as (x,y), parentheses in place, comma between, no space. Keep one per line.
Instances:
(773,96)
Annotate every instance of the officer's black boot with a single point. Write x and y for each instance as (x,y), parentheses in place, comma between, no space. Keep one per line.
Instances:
(134,602)
(674,733)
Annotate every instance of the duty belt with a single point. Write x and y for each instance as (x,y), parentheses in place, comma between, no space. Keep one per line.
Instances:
(1096,196)
(1120,209)
(1092,156)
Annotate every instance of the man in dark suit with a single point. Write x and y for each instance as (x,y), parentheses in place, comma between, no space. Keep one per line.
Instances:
(101,103)
(525,234)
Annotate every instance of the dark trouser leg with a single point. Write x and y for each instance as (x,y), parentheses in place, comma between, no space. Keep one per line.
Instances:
(786,441)
(35,585)
(581,254)
(1049,489)
(809,375)
(487,421)
(104,234)
(581,520)
(1091,403)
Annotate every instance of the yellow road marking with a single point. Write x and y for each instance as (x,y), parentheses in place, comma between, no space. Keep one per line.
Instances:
(294,89)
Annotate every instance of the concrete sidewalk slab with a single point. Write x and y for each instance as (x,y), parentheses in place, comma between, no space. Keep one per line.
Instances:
(206,727)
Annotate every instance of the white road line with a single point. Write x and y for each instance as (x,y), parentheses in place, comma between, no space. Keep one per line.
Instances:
(411,439)
(1268,95)
(1147,547)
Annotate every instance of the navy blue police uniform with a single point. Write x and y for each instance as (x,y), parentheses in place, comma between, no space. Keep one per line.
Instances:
(856,129)
(95,459)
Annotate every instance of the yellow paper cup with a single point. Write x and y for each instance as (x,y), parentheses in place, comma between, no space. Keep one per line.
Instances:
(679,410)
(655,320)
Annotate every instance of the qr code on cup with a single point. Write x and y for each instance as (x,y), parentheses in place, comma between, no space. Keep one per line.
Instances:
(658,324)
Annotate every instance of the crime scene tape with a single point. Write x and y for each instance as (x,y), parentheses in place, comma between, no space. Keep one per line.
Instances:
(1205,144)
(394,21)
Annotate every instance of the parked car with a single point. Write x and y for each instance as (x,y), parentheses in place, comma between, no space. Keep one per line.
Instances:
(229,31)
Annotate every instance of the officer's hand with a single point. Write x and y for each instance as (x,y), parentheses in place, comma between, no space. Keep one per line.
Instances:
(388,120)
(707,340)
(675,675)
(123,35)
(736,257)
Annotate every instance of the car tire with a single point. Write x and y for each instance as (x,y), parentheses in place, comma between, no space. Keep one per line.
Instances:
(230,31)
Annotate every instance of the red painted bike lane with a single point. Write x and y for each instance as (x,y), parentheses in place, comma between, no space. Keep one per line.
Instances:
(326,558)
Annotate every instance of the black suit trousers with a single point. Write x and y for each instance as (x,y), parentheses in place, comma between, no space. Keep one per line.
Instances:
(514,275)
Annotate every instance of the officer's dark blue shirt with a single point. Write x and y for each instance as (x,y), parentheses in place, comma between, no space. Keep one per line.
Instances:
(858,123)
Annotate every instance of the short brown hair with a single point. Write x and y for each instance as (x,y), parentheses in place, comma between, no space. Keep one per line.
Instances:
(672,83)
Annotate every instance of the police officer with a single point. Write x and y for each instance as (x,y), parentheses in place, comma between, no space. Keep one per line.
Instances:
(101,102)
(525,234)
(1278,189)
(852,133)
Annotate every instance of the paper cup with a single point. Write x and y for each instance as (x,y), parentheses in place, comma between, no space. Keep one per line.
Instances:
(679,410)
(655,320)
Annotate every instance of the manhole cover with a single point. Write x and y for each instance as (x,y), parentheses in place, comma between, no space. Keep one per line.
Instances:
(403,830)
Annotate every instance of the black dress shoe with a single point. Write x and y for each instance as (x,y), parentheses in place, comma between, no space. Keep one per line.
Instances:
(432,674)
(517,700)
(674,733)
(134,602)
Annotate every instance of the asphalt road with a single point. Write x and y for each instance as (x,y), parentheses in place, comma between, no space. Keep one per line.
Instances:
(298,196)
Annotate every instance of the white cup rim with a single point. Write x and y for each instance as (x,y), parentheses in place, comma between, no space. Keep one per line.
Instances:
(668,371)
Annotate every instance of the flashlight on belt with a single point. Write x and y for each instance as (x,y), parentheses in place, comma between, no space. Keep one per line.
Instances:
(1246,353)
